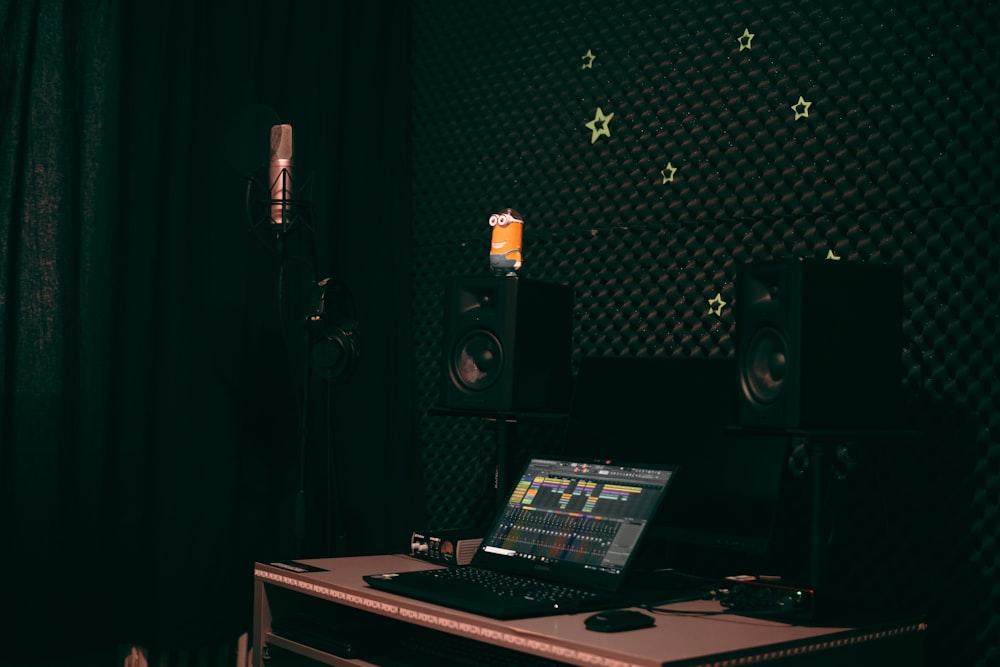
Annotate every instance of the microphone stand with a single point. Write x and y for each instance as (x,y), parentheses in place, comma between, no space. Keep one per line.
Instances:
(336,515)
(294,212)
(300,496)
(300,511)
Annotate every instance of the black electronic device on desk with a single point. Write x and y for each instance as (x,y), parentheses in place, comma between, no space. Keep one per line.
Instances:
(563,543)
(448,547)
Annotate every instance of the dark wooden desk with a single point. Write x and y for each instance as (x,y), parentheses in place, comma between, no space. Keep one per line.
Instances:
(686,637)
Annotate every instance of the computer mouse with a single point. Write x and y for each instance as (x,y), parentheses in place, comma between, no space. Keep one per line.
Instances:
(616,620)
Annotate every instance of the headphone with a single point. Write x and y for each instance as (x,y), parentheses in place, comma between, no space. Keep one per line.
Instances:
(332,325)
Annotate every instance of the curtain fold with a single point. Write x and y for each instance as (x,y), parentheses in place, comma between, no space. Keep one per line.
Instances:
(55,251)
(153,353)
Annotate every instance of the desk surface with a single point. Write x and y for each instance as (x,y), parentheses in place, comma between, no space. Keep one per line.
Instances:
(692,633)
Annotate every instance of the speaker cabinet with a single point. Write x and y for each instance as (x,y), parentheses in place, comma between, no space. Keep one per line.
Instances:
(819,344)
(506,346)
(851,521)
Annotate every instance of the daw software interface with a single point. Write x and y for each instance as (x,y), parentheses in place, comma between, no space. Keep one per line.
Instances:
(588,514)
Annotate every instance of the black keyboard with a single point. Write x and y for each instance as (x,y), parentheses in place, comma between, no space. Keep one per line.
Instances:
(510,586)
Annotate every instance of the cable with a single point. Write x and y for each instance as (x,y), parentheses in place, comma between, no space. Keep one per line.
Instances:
(300,499)
(272,237)
(334,511)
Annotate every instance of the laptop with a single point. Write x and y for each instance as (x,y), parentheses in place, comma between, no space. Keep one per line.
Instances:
(562,543)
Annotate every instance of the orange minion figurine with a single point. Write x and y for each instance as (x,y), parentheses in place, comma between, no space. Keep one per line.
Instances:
(505,246)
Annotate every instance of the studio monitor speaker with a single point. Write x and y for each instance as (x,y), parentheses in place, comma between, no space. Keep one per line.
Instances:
(506,344)
(818,344)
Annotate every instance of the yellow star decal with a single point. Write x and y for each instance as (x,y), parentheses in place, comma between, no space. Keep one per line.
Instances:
(588,60)
(801,108)
(745,39)
(599,126)
(831,255)
(717,304)
(668,173)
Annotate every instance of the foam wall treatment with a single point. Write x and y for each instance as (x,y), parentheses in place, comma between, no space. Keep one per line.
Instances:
(654,148)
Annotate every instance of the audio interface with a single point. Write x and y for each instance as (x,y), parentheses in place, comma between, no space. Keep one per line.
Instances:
(449,547)
(760,596)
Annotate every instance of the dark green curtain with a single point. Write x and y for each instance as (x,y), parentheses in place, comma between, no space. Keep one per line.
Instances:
(161,425)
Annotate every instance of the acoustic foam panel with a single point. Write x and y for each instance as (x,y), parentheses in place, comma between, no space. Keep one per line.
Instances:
(655,147)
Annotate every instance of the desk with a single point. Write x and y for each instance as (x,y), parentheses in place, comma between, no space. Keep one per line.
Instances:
(691,636)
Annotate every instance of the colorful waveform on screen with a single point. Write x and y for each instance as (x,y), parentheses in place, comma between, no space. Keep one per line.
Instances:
(558,535)
(580,496)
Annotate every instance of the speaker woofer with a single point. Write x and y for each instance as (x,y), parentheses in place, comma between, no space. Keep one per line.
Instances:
(818,343)
(477,360)
(765,365)
(506,344)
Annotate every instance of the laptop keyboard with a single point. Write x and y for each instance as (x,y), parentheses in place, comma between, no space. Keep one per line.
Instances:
(509,586)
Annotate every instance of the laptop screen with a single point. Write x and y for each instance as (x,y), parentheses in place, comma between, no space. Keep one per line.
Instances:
(574,521)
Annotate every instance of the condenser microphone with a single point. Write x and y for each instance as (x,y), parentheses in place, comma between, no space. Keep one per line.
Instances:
(281,175)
